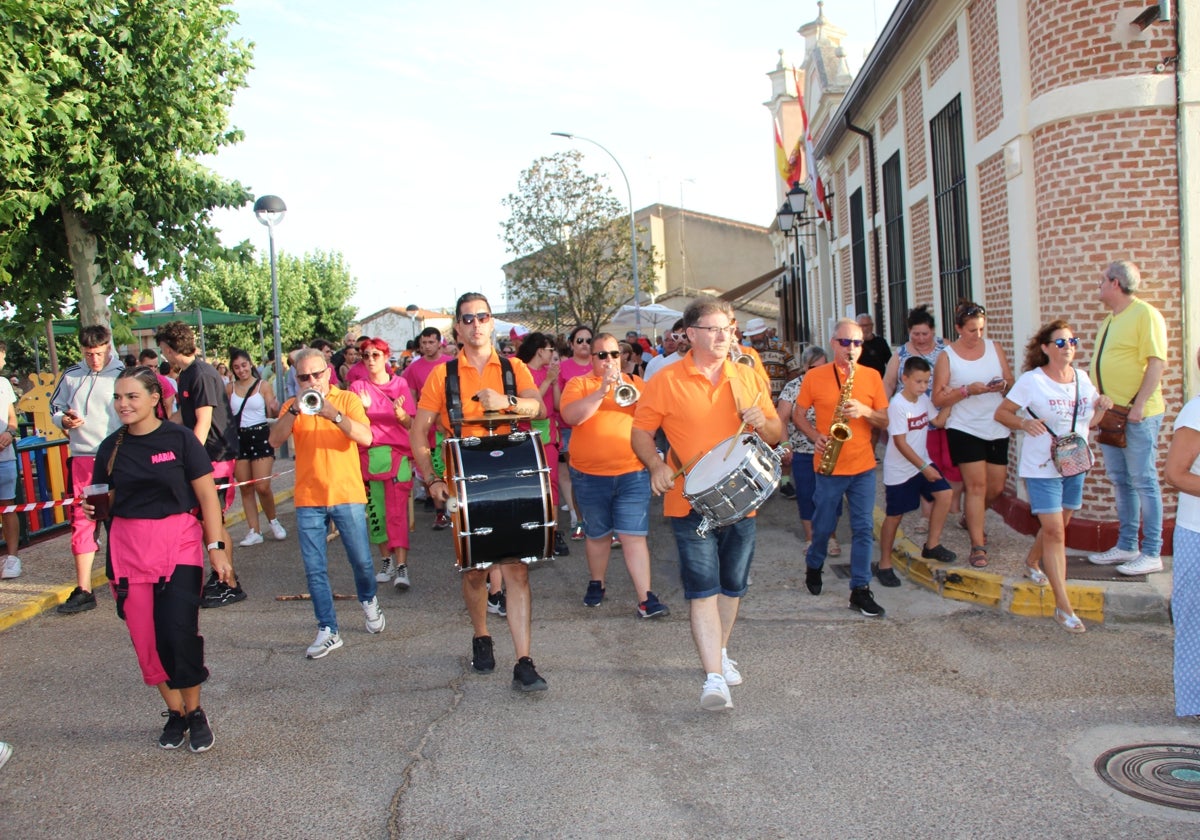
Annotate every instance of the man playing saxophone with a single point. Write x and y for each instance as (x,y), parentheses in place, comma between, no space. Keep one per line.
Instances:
(843,392)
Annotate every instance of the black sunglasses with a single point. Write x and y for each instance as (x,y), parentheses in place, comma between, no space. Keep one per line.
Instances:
(583,341)
(847,342)
(607,354)
(471,317)
(306,377)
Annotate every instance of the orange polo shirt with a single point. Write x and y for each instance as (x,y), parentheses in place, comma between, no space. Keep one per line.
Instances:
(470,383)
(821,389)
(696,415)
(600,445)
(328,472)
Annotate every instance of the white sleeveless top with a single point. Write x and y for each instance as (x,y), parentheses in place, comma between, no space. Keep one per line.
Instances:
(976,414)
(255,412)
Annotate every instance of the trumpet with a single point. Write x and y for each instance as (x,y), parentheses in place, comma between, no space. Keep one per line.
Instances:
(625,394)
(739,358)
(310,401)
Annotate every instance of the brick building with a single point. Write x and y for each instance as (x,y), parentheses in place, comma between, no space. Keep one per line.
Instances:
(1005,151)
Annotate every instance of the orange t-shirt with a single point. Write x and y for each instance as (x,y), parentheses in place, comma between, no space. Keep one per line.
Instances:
(470,383)
(600,445)
(821,390)
(327,464)
(696,415)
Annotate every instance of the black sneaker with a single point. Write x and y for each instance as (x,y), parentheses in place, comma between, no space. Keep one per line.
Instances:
(211,586)
(174,730)
(812,579)
(939,552)
(200,735)
(483,660)
(886,577)
(561,549)
(497,604)
(594,594)
(78,601)
(526,677)
(862,600)
(787,490)
(223,595)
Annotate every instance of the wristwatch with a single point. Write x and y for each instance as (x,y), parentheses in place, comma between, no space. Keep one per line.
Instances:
(292,410)
(337,419)
(512,401)
(219,545)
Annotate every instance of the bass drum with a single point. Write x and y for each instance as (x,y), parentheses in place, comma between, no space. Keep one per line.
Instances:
(504,511)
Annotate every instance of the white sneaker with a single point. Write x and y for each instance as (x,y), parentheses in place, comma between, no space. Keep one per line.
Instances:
(326,641)
(715,694)
(402,581)
(730,670)
(12,568)
(1143,564)
(253,538)
(375,620)
(277,530)
(1113,556)
(388,570)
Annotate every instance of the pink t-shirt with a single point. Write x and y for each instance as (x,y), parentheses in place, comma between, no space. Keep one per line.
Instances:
(417,372)
(568,369)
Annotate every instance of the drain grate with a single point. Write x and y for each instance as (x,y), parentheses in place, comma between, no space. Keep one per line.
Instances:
(1165,774)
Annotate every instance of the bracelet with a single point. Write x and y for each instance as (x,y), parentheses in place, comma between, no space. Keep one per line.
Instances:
(435,481)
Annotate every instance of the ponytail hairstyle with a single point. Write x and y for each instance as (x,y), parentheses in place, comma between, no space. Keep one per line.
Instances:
(149,380)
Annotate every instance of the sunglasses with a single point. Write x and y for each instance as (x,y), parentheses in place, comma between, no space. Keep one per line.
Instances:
(1060,343)
(308,377)
(974,312)
(607,354)
(848,342)
(373,355)
(471,317)
(583,341)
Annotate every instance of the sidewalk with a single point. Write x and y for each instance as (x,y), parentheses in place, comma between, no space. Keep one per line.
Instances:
(47,569)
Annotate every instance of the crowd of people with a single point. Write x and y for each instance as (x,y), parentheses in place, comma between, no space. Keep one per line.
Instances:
(617,424)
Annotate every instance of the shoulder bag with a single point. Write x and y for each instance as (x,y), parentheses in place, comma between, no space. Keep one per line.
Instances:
(1070,452)
(1112,422)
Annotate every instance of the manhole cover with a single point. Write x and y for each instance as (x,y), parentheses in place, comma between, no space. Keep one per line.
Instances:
(1165,774)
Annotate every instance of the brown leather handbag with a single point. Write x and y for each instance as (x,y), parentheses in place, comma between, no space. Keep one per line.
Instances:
(1113,421)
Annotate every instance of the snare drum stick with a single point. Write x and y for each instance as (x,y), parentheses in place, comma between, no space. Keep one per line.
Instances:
(686,466)
(741,428)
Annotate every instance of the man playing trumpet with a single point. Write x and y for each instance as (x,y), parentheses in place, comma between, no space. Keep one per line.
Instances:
(860,404)
(699,402)
(612,488)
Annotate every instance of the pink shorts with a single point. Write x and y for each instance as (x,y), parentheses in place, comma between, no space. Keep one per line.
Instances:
(83,530)
(939,452)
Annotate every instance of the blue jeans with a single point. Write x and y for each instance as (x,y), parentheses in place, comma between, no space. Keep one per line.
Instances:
(312,524)
(1133,473)
(806,484)
(717,563)
(859,491)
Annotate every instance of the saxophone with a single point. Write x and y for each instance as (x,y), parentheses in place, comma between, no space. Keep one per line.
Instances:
(839,430)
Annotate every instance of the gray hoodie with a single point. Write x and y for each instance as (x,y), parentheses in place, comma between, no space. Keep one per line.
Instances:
(91,395)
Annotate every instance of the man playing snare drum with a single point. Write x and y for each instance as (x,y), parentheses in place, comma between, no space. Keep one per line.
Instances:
(482,389)
(699,402)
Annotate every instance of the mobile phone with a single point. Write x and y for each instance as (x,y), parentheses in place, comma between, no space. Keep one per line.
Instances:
(996,382)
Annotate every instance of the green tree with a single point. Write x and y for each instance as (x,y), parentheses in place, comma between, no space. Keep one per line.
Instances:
(314,295)
(570,235)
(105,106)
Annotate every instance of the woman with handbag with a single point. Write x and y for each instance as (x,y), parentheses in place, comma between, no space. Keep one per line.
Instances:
(253,402)
(1061,403)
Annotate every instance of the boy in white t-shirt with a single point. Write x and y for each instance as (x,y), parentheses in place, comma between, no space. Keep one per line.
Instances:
(908,474)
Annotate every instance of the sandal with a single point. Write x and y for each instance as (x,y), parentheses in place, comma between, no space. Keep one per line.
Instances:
(978,558)
(833,549)
(1036,575)
(1070,623)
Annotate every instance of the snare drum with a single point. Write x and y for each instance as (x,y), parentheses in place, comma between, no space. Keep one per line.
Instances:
(724,489)
(504,510)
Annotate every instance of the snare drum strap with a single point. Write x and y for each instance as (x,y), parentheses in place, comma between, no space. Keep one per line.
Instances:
(454,392)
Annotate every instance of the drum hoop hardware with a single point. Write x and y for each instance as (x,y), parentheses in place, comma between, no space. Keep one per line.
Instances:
(482,531)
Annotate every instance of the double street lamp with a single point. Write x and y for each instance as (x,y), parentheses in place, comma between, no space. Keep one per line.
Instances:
(791,218)
(270,210)
(633,255)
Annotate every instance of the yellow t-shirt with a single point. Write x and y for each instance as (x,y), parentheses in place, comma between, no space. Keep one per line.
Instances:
(1130,339)
(328,472)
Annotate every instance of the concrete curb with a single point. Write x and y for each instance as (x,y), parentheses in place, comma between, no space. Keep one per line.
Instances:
(56,595)
(1092,602)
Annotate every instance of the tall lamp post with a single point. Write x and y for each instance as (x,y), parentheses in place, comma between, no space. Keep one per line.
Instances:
(269,210)
(637,292)
(791,218)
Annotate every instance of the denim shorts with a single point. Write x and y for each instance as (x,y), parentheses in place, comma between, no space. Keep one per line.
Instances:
(8,479)
(717,563)
(610,503)
(1054,495)
(901,498)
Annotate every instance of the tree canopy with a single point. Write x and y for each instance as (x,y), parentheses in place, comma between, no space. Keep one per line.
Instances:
(314,295)
(570,236)
(105,107)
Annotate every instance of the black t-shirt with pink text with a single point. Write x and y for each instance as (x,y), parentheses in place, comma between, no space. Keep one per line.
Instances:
(152,474)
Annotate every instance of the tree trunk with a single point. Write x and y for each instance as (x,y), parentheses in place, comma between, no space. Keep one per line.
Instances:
(81,244)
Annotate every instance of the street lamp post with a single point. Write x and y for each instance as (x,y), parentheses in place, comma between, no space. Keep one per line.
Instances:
(791,218)
(637,292)
(269,210)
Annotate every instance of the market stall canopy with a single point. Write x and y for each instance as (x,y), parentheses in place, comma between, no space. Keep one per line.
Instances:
(654,314)
(199,318)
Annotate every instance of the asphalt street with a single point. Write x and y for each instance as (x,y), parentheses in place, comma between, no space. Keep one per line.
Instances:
(941,719)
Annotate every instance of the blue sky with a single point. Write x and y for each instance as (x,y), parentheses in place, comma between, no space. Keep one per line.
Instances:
(393,130)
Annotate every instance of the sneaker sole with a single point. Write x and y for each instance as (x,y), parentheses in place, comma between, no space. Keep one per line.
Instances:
(1135,572)
(879,614)
(479,670)
(714,702)
(733,682)
(163,746)
(663,613)
(540,685)
(91,605)
(324,652)
(205,748)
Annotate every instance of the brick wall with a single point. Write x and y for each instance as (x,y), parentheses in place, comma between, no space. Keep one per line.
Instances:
(914,130)
(1108,190)
(944,53)
(845,295)
(922,254)
(996,275)
(843,202)
(984,44)
(889,117)
(1072,41)
(855,159)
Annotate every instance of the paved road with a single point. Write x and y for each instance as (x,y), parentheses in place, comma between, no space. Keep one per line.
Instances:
(943,719)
